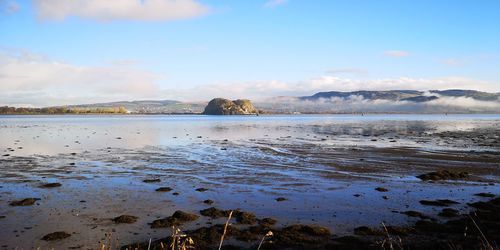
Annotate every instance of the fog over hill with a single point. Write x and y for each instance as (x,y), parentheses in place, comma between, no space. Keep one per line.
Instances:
(392,101)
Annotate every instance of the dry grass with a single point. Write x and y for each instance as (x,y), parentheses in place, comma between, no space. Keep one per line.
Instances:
(392,243)
(225,229)
(109,242)
(269,234)
(486,244)
(180,241)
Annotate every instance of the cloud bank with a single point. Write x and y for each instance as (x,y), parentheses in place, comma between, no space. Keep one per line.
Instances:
(357,104)
(29,79)
(268,89)
(112,10)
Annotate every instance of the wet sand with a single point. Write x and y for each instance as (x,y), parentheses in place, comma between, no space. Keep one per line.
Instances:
(339,176)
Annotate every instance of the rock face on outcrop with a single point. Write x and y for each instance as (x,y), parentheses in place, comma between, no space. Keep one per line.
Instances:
(221,106)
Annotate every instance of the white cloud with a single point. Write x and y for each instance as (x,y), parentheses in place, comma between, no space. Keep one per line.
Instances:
(396,53)
(111,10)
(27,78)
(274,3)
(450,82)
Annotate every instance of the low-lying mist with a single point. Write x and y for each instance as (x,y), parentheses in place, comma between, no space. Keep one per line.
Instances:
(358,104)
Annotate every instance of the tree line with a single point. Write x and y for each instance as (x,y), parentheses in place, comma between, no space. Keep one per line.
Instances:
(6,110)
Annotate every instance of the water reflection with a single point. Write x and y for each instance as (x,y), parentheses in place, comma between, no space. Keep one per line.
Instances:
(28,135)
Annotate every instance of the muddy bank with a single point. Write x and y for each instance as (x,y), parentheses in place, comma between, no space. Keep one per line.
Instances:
(478,229)
(103,197)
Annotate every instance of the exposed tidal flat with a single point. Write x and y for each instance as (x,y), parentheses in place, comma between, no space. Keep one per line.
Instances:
(327,181)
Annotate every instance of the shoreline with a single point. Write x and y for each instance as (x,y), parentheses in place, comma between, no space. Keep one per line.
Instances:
(260,114)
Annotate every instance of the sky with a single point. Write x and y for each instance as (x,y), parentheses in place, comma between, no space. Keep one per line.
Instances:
(59,52)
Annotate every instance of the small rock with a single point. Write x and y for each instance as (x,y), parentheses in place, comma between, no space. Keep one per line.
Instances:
(267,222)
(444,175)
(438,203)
(489,195)
(245,217)
(50,185)
(24,202)
(163,189)
(415,214)
(178,218)
(209,202)
(56,236)
(128,219)
(214,212)
(151,180)
(449,212)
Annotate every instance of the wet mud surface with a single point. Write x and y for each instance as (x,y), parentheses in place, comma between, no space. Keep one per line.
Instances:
(313,184)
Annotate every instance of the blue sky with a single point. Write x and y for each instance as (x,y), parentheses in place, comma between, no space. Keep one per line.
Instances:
(53,53)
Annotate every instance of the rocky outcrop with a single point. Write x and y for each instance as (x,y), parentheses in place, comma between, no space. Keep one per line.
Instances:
(221,106)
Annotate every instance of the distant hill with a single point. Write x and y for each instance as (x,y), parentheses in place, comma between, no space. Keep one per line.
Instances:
(149,106)
(394,95)
(391,101)
(406,95)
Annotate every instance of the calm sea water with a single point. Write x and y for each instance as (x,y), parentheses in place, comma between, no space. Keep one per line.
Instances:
(62,134)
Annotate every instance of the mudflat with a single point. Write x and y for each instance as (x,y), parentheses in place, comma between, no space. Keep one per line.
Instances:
(314,181)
